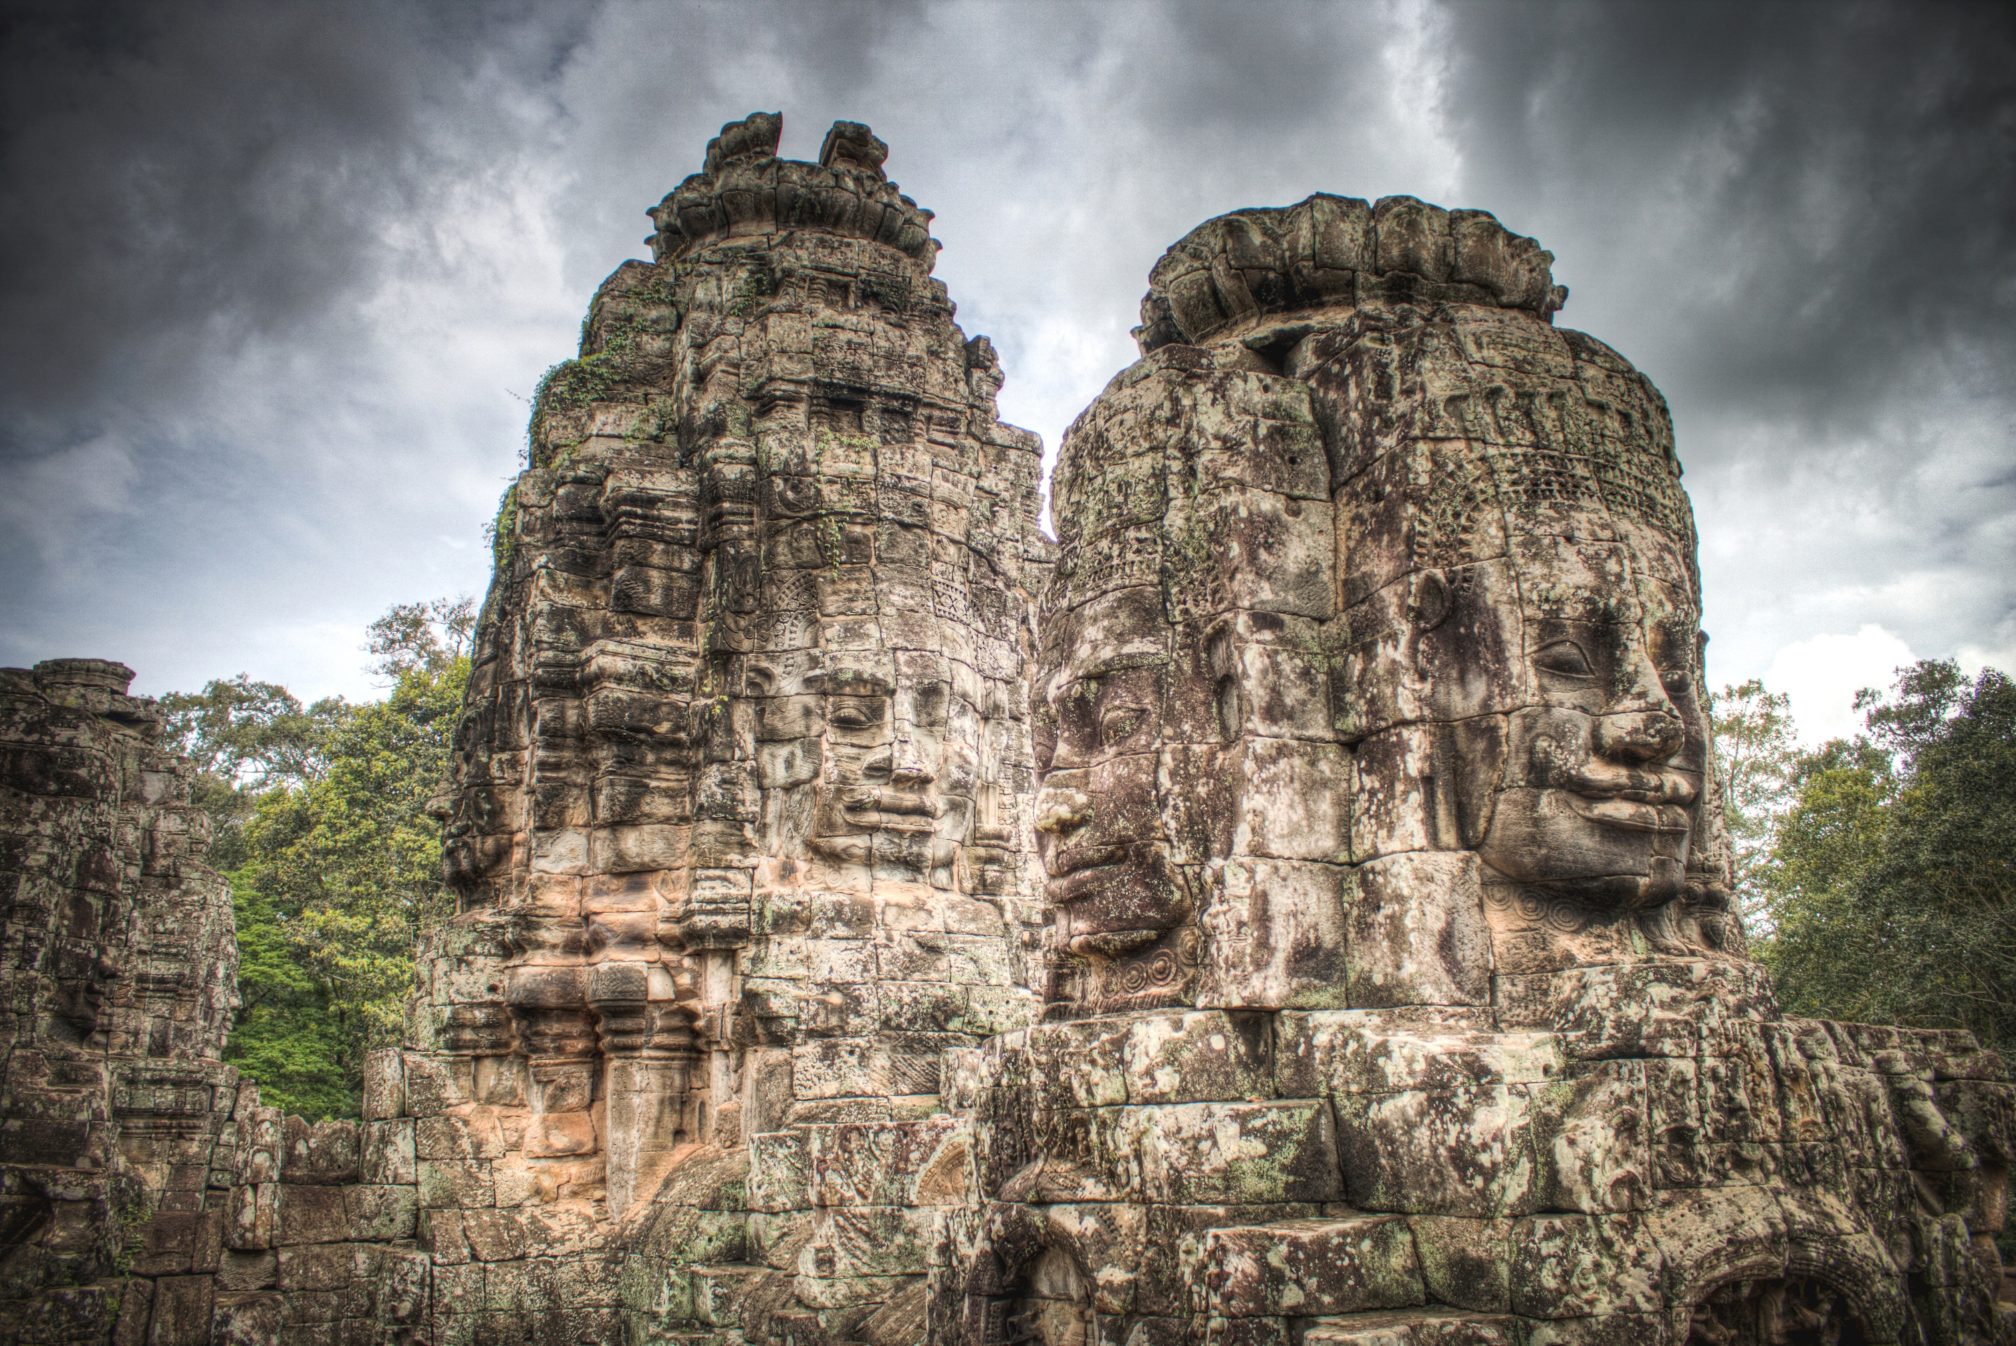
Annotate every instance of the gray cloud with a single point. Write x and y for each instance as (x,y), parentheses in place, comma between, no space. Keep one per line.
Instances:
(202,177)
(1798,218)
(277,276)
(1824,186)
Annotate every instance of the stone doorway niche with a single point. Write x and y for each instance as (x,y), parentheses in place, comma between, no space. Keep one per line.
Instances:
(1795,1311)
(1051,1307)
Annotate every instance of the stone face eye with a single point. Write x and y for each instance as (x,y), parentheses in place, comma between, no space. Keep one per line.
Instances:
(855,715)
(1564,658)
(1119,723)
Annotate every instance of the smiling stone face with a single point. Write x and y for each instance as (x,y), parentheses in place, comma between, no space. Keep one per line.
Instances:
(1100,729)
(1600,787)
(1191,816)
(1520,666)
(899,768)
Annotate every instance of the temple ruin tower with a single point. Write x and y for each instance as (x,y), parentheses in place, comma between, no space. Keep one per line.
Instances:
(1393,991)
(117,982)
(738,822)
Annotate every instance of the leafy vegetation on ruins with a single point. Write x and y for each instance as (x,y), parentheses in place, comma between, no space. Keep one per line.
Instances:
(1878,873)
(320,814)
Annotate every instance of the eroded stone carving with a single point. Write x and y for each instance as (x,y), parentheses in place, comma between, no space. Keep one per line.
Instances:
(1390,990)
(739,815)
(1395,993)
(118,970)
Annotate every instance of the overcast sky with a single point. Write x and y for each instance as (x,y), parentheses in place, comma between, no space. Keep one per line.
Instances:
(277,277)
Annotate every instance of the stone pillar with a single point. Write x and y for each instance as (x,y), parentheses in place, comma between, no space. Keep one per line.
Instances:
(648,1059)
(549,1007)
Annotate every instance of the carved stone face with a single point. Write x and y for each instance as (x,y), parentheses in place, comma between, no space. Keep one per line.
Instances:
(899,768)
(1598,791)
(84,980)
(83,973)
(1103,688)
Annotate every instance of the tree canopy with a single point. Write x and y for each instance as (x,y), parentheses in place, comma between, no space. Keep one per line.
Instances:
(1757,752)
(321,820)
(1890,881)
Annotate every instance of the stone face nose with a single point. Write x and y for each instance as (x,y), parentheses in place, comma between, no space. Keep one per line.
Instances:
(1639,736)
(1061,811)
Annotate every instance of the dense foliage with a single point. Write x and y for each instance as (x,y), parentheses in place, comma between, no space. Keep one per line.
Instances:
(1886,889)
(322,824)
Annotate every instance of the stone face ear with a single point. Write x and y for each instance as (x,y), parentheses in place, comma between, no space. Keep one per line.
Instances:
(1430,603)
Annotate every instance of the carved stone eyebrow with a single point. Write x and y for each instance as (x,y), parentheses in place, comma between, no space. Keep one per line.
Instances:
(845,682)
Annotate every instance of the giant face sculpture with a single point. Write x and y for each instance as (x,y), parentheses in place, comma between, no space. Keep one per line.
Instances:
(1523,614)
(1596,797)
(1182,729)
(1099,829)
(748,681)
(899,767)
(83,972)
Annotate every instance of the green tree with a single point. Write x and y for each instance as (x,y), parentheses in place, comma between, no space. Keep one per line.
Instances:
(321,817)
(349,864)
(244,738)
(1893,875)
(429,636)
(1757,753)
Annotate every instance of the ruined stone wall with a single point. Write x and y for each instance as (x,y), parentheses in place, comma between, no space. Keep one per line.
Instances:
(117,981)
(1394,993)
(145,1194)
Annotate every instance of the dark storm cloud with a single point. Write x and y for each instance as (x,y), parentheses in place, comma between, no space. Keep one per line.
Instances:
(192,177)
(212,212)
(1800,220)
(1826,187)
(276,276)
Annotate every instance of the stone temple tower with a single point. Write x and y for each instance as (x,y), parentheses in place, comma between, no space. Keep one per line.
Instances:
(1394,992)
(738,819)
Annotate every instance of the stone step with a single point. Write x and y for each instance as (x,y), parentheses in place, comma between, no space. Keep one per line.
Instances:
(1417,1327)
(1306,1268)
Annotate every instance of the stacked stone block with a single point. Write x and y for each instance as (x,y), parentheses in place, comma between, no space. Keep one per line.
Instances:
(739,811)
(116,989)
(1394,992)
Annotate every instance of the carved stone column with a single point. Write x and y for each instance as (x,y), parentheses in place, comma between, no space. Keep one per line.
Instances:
(648,1057)
(557,1034)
